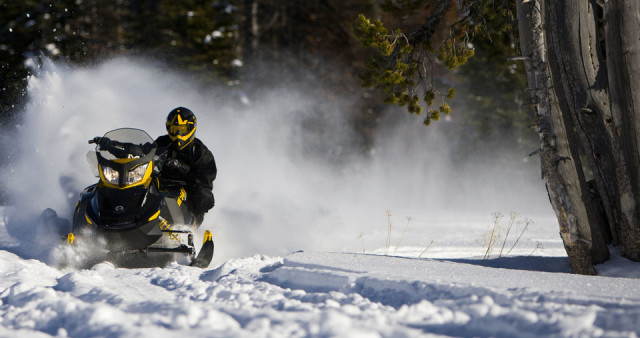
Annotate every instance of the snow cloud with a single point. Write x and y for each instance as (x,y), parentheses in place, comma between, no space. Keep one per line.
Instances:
(274,194)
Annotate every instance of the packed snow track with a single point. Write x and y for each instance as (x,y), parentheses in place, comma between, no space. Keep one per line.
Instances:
(305,294)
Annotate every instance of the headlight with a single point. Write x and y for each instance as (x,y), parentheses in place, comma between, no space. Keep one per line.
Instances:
(112,176)
(137,174)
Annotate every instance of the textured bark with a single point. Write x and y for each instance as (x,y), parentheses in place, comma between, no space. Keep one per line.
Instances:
(622,21)
(580,83)
(583,106)
(560,164)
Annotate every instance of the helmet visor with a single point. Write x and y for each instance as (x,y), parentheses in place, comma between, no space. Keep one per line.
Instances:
(179,129)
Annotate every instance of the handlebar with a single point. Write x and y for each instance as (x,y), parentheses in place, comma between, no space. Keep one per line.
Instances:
(96,140)
(121,149)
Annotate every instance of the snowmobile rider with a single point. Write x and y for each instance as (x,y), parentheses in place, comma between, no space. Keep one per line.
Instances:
(188,160)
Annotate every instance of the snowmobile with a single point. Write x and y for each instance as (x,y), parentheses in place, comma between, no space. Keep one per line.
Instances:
(134,217)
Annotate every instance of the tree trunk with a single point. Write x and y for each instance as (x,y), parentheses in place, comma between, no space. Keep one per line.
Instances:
(579,81)
(622,21)
(597,113)
(561,168)
(251,30)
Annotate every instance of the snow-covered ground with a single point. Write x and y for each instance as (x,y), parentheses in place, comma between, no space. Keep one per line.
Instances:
(394,246)
(319,294)
(445,289)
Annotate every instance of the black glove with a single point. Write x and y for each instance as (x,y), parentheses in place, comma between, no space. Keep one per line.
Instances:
(146,148)
(138,150)
(177,164)
(104,143)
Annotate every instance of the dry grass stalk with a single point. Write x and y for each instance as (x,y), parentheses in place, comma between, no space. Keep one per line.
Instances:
(493,236)
(389,227)
(526,223)
(512,220)
(404,231)
(361,236)
(538,246)
(425,250)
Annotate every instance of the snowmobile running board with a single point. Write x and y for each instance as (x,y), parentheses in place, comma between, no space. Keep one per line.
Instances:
(176,231)
(201,261)
(178,249)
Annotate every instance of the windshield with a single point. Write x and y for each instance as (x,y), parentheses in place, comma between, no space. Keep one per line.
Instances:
(127,136)
(122,135)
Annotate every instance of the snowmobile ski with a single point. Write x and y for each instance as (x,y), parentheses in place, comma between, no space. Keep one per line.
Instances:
(206,252)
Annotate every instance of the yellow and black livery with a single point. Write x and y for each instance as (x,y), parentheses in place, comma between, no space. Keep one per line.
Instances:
(138,222)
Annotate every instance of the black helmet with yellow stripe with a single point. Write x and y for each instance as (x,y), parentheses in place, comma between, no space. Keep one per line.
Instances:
(181,126)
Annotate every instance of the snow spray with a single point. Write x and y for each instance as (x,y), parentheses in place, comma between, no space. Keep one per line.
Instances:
(273,196)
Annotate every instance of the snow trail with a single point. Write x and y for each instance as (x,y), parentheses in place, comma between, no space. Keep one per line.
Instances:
(314,294)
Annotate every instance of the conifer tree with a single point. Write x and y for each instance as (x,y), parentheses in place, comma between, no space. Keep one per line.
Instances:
(405,60)
(199,36)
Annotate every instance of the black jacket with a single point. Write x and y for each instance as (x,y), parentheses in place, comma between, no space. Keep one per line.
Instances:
(197,167)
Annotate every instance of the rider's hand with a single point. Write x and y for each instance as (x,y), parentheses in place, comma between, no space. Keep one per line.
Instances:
(172,163)
(177,164)
(104,143)
(146,148)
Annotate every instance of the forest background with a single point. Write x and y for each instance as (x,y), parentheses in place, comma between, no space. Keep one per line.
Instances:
(244,46)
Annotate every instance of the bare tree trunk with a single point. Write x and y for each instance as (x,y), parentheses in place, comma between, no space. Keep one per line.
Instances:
(622,21)
(597,112)
(561,168)
(580,83)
